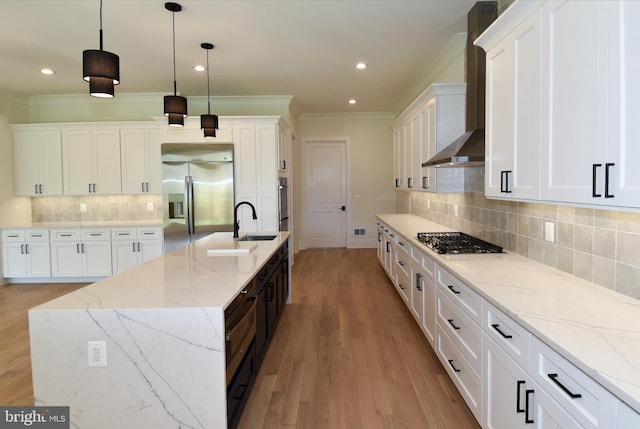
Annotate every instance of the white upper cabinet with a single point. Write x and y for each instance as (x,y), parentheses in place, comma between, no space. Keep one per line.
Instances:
(37,162)
(589,98)
(512,166)
(91,162)
(140,161)
(428,125)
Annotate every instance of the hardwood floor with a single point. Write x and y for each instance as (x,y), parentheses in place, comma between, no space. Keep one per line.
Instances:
(348,354)
(15,358)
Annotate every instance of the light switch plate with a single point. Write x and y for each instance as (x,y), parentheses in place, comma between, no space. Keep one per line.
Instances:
(97,354)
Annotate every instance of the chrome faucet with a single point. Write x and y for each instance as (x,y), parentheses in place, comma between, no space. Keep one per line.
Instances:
(236,222)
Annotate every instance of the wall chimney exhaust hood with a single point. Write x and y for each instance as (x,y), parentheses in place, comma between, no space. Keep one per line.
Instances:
(468,150)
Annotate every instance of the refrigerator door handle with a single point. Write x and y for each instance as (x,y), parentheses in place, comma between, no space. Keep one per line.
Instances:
(187,200)
(191,207)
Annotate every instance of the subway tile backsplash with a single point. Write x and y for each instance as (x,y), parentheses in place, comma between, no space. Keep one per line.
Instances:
(600,246)
(99,208)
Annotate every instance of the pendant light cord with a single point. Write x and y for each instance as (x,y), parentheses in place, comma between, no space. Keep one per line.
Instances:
(101,25)
(208,93)
(175,85)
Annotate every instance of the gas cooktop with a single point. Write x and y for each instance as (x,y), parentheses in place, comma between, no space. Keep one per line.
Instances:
(456,242)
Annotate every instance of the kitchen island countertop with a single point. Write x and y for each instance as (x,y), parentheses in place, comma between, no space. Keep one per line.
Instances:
(596,329)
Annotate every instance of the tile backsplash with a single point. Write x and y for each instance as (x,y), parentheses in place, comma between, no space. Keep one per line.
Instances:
(600,246)
(99,208)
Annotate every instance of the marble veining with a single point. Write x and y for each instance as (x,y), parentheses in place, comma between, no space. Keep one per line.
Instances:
(163,325)
(596,329)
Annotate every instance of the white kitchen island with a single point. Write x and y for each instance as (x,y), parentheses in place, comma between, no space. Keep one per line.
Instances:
(163,327)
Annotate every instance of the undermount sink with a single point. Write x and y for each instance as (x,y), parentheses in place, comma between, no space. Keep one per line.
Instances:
(254,237)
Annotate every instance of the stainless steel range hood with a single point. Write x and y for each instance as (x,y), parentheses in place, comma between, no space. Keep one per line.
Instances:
(468,149)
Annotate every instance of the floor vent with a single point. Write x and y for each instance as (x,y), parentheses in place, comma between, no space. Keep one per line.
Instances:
(359,231)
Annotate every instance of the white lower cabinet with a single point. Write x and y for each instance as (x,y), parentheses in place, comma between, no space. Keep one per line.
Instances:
(134,245)
(81,252)
(508,378)
(25,253)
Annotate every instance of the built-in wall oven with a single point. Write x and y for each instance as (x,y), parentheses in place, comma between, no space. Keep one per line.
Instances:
(240,328)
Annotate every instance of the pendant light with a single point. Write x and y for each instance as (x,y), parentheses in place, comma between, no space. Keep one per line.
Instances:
(208,122)
(101,69)
(175,106)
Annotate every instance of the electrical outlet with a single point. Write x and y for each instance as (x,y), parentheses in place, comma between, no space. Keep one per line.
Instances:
(150,207)
(549,232)
(455,210)
(97,354)
(83,207)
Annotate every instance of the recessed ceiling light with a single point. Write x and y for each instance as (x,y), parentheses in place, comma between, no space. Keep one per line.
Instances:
(361,66)
(353,101)
(199,68)
(47,71)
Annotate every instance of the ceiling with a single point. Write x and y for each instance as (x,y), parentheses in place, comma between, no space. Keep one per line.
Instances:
(304,48)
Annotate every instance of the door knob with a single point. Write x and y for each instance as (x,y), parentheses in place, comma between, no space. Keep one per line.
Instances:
(343,208)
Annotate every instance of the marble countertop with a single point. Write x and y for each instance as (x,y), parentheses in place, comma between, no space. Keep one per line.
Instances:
(85,224)
(596,329)
(187,277)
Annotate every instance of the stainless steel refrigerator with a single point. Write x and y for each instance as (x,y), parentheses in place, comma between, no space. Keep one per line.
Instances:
(197,191)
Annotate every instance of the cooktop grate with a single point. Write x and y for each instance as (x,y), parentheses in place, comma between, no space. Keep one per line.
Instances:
(456,242)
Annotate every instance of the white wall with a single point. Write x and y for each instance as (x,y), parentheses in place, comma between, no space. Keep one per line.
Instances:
(370,171)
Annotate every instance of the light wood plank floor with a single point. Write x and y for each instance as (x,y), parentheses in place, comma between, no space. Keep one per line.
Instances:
(348,354)
(15,358)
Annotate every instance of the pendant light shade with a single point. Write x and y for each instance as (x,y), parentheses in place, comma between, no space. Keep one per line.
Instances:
(101,69)
(175,106)
(208,122)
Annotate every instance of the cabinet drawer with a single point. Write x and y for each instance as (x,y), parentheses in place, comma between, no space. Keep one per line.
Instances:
(37,234)
(9,235)
(427,265)
(403,245)
(150,233)
(508,334)
(464,377)
(464,333)
(403,264)
(467,299)
(66,235)
(595,407)
(96,234)
(404,285)
(126,233)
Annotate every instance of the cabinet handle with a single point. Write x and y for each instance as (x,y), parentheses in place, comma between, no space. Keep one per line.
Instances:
(418,285)
(134,247)
(401,263)
(519,384)
(401,286)
(77,247)
(94,188)
(409,182)
(22,249)
(35,189)
(65,235)
(606,180)
(82,247)
(26,248)
(453,366)
(554,378)
(497,328)
(401,243)
(453,324)
(505,174)
(593,181)
(397,181)
(457,292)
(270,295)
(147,186)
(89,187)
(388,250)
(142,186)
(379,237)
(527,392)
(138,246)
(424,182)
(40,188)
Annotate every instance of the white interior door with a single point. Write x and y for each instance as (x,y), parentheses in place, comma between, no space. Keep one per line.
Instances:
(326,193)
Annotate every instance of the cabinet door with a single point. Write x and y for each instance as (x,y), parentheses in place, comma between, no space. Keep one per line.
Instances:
(106,162)
(77,162)
(149,249)
(417,154)
(123,254)
(133,157)
(14,260)
(428,175)
(267,178)
(408,154)
(66,259)
(574,90)
(399,158)
(153,162)
(96,258)
(50,163)
(38,163)
(505,385)
(39,259)
(417,294)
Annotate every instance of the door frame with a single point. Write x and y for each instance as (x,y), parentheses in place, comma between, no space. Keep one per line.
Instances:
(304,243)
